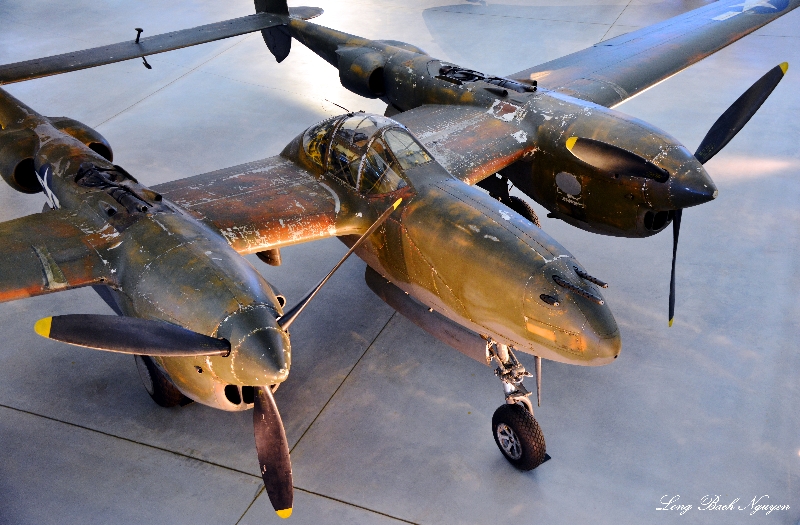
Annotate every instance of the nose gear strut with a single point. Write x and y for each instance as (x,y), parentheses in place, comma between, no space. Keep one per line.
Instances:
(512,373)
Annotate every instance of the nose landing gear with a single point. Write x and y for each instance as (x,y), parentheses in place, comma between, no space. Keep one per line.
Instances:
(515,430)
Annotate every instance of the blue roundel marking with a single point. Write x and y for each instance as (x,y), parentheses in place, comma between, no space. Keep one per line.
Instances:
(779,5)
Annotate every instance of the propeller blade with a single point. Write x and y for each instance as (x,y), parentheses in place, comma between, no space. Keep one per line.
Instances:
(615,160)
(129,335)
(735,117)
(724,129)
(288,318)
(676,230)
(273,452)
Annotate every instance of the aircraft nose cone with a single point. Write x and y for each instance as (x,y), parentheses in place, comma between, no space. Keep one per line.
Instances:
(603,349)
(570,316)
(691,188)
(260,350)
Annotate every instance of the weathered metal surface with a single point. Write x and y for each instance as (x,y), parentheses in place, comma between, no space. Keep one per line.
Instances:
(260,205)
(472,143)
(465,341)
(614,70)
(473,260)
(51,252)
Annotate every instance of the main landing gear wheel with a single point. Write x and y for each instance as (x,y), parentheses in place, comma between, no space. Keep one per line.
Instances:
(158,385)
(519,437)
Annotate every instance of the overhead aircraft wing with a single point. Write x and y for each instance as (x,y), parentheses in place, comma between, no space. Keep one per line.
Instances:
(265,204)
(613,71)
(51,252)
(471,143)
(137,48)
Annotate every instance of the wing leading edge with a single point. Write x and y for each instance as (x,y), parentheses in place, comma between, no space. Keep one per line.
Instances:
(613,71)
(262,205)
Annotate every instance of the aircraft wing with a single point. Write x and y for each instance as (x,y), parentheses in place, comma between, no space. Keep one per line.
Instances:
(50,252)
(612,71)
(99,56)
(470,143)
(265,204)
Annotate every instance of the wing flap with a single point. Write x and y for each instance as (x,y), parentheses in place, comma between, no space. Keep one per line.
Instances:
(612,71)
(50,252)
(471,143)
(260,205)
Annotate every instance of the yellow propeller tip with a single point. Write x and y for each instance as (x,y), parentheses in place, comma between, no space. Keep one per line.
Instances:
(397,203)
(42,326)
(670,322)
(285,513)
(571,142)
(784,67)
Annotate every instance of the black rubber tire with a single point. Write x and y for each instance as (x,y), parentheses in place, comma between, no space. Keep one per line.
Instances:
(157,384)
(516,421)
(523,208)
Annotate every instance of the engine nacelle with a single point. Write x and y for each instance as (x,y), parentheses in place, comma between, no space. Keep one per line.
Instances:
(588,198)
(17,149)
(90,137)
(361,71)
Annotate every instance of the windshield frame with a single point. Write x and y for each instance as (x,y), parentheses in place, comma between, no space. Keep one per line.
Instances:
(335,125)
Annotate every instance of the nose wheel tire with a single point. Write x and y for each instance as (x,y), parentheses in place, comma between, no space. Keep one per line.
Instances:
(157,384)
(519,437)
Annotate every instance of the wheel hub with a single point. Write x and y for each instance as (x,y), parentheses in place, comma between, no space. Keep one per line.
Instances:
(509,441)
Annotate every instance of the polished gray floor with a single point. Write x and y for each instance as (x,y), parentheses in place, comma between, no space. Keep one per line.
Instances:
(387,424)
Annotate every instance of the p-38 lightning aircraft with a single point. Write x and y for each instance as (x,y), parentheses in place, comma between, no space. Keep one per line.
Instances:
(549,130)
(557,141)
(204,324)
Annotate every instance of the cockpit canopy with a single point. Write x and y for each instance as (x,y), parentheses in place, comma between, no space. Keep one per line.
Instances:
(369,152)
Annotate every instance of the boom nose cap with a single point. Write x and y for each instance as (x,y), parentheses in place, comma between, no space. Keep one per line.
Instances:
(692,188)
